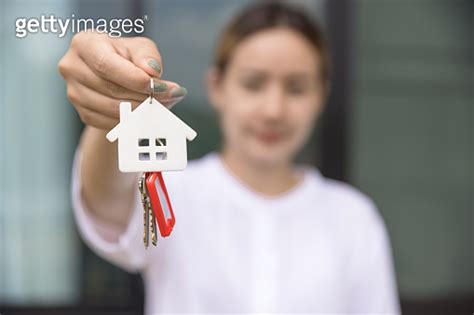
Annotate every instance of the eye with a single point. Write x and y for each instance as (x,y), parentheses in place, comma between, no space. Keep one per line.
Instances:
(252,84)
(296,88)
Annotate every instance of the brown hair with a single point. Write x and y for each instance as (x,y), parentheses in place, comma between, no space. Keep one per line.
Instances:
(265,15)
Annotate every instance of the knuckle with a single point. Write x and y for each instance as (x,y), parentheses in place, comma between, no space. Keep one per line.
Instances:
(86,117)
(114,109)
(72,95)
(146,42)
(77,38)
(64,66)
(113,89)
(100,64)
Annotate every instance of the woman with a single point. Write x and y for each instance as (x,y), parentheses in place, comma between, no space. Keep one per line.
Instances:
(254,232)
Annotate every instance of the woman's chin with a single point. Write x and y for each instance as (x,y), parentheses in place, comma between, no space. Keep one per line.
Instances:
(267,155)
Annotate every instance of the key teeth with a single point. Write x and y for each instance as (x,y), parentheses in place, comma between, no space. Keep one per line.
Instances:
(146,213)
(154,235)
(150,224)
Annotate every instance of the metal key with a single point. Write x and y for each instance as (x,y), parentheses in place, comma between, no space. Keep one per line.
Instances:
(146,210)
(149,218)
(152,220)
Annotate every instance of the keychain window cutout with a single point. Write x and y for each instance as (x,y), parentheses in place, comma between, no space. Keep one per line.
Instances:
(150,121)
(160,142)
(144,156)
(161,155)
(143,142)
(146,149)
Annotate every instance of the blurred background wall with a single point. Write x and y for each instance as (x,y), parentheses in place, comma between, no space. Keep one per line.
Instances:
(38,130)
(411,132)
(398,126)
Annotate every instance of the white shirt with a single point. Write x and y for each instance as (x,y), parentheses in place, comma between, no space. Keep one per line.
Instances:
(320,248)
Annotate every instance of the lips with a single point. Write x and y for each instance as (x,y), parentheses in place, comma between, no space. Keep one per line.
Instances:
(269,137)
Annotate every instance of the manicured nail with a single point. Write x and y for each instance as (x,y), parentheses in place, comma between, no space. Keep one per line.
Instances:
(160,87)
(155,65)
(179,92)
(174,101)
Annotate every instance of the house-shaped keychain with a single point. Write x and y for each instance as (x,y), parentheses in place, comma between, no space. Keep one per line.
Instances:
(150,138)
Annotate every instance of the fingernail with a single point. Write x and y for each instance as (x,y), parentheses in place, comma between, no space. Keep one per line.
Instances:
(155,65)
(160,87)
(174,101)
(179,92)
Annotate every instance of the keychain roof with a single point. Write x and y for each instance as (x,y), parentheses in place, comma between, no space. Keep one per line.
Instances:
(150,138)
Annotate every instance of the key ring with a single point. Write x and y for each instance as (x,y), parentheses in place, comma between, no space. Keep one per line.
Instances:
(152,90)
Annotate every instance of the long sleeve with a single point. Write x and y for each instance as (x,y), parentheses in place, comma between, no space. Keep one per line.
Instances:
(123,248)
(374,289)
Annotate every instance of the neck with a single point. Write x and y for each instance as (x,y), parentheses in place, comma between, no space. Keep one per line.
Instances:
(270,180)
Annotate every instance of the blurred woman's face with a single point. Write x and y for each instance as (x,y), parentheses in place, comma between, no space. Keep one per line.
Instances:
(269,97)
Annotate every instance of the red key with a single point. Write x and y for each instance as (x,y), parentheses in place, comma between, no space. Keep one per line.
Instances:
(160,202)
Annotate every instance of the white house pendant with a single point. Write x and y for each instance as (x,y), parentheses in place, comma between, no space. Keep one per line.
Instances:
(150,138)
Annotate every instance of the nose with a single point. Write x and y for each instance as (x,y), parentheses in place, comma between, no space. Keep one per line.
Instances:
(274,104)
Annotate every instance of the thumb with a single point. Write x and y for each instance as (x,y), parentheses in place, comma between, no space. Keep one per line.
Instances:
(145,55)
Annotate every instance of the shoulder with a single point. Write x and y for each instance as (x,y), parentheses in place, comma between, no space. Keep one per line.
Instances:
(348,207)
(346,195)
(337,193)
(353,218)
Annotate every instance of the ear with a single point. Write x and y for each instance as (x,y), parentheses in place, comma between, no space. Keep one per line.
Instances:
(214,88)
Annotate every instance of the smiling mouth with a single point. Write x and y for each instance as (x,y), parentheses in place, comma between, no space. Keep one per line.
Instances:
(269,137)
